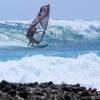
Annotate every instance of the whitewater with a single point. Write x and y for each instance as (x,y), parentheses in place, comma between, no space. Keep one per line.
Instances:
(72,55)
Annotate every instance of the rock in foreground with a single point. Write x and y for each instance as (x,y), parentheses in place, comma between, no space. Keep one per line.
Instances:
(46,91)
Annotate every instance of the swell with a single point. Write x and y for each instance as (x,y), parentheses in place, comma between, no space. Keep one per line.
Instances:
(59,30)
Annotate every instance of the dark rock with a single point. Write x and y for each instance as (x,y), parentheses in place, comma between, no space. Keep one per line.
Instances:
(68,89)
(12,93)
(32,84)
(46,91)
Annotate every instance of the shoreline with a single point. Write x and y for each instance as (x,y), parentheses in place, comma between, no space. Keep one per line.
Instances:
(46,91)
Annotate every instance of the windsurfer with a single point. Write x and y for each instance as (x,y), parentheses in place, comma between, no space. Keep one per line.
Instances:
(30,35)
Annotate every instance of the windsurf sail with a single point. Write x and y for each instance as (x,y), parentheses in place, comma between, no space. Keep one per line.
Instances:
(41,20)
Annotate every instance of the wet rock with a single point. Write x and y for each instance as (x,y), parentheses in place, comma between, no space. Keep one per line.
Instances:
(46,91)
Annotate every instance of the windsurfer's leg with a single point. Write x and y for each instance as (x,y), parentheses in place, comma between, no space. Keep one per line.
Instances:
(30,40)
(32,43)
(29,43)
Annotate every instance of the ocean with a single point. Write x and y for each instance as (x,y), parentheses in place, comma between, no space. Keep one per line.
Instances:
(72,55)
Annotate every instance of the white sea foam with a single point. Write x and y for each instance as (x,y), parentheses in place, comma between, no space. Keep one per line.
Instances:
(15,21)
(87,28)
(84,69)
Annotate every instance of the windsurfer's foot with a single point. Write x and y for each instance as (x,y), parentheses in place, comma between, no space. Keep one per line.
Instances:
(31,45)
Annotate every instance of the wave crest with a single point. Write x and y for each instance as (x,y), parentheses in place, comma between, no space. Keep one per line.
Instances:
(84,69)
(77,30)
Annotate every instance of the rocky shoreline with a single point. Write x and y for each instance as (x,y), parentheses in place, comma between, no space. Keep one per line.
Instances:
(46,91)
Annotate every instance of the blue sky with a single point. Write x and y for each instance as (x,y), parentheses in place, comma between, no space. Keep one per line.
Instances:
(60,9)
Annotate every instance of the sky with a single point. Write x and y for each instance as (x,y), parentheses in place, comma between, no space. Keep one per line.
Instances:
(60,9)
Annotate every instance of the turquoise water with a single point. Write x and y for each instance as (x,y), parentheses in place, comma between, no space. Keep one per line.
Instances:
(71,50)
(64,48)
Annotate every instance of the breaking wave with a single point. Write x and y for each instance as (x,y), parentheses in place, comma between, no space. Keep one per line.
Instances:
(13,31)
(77,29)
(84,69)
